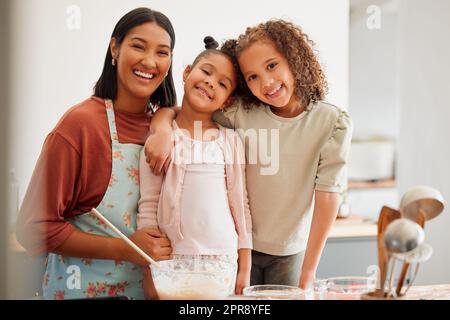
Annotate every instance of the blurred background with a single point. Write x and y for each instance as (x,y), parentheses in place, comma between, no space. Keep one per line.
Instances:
(385,60)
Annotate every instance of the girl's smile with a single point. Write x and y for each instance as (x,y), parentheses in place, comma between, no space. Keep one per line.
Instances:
(269,77)
(275,93)
(204,92)
(209,83)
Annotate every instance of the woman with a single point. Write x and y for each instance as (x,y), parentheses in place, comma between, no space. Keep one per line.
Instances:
(90,160)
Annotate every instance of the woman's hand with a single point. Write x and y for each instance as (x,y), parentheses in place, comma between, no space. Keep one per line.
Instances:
(151,241)
(158,150)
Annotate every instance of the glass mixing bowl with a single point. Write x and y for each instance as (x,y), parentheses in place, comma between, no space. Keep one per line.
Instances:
(275,292)
(347,288)
(194,279)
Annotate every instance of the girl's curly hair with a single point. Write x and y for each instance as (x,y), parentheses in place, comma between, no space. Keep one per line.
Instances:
(297,48)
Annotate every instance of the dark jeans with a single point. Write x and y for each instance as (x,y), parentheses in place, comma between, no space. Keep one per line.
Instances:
(269,269)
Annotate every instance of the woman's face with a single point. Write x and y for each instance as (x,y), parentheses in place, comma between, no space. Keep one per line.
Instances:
(267,74)
(143,60)
(209,84)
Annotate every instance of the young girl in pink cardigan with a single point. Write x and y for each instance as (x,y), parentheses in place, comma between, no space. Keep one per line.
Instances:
(201,202)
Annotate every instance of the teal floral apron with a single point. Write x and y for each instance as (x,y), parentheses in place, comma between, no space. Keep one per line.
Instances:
(75,278)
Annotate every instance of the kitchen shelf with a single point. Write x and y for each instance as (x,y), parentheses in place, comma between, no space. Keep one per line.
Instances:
(379,184)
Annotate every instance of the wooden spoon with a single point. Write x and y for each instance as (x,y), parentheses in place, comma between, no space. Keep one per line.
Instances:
(387,215)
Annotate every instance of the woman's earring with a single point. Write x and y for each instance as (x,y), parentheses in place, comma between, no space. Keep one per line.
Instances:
(113,62)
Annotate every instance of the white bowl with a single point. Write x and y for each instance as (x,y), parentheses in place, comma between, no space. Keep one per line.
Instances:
(192,279)
(275,292)
(348,288)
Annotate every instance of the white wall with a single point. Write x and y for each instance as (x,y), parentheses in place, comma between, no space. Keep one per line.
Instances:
(373,91)
(424,150)
(55,68)
(373,70)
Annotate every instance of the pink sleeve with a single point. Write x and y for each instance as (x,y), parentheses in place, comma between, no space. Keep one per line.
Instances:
(150,187)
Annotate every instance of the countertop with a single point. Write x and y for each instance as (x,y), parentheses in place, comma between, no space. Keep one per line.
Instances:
(431,292)
(350,227)
(353,227)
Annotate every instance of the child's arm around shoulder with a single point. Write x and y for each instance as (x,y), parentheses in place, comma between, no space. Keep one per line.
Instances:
(150,189)
(159,145)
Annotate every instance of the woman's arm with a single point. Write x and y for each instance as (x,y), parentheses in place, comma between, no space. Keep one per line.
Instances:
(244,268)
(85,245)
(159,144)
(325,212)
(42,226)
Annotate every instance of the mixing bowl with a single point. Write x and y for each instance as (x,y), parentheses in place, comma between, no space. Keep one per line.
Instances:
(275,292)
(194,279)
(348,288)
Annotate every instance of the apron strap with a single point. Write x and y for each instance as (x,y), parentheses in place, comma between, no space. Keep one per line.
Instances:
(111,121)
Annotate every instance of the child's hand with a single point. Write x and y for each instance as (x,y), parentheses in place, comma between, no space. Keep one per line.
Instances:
(306,279)
(158,151)
(242,281)
(151,241)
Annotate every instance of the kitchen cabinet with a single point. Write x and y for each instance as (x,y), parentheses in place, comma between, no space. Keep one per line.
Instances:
(352,244)
(348,257)
(350,249)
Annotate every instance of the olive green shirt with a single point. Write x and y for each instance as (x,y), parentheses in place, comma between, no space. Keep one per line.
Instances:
(287,160)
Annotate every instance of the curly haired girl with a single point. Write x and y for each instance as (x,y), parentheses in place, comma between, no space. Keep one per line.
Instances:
(294,207)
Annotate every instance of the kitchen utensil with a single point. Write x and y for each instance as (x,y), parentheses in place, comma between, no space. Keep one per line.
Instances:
(401,236)
(420,220)
(194,279)
(418,256)
(426,198)
(419,203)
(124,237)
(387,215)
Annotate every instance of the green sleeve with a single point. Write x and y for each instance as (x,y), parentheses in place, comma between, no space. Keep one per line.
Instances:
(227,117)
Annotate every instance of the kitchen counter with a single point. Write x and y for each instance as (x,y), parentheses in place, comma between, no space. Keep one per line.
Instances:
(432,292)
(350,227)
(353,227)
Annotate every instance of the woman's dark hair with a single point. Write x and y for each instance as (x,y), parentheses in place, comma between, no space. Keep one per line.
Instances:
(106,86)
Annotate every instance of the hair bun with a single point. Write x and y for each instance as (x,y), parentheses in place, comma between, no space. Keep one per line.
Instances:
(210,43)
